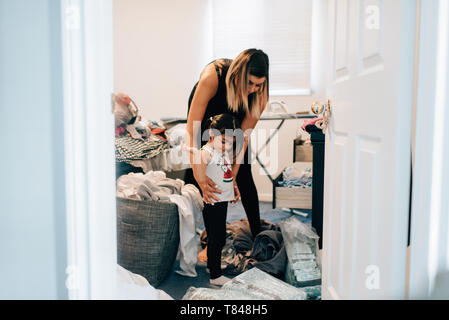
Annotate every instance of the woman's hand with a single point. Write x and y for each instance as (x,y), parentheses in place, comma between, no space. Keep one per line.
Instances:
(236,193)
(209,188)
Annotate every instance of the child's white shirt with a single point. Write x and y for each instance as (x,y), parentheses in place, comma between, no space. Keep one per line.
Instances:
(219,170)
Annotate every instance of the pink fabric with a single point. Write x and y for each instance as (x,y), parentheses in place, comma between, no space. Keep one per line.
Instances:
(310,122)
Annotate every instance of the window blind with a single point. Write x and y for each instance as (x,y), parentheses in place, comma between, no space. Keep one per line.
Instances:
(281,28)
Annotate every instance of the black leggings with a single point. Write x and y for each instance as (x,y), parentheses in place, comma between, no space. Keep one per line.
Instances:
(215,216)
(215,222)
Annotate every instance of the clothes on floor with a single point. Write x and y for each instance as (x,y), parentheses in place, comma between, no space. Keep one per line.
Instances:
(241,253)
(253,284)
(269,252)
(154,186)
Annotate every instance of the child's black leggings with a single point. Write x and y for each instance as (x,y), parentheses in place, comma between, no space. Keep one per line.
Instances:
(215,222)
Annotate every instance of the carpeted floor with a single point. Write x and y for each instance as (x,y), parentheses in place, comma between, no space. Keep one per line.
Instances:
(176,285)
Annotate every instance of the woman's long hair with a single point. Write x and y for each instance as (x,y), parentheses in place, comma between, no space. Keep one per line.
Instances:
(250,62)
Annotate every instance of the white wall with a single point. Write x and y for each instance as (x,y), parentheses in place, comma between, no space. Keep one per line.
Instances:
(161,47)
(32,211)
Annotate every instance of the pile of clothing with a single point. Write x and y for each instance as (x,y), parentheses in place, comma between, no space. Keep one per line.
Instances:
(254,284)
(141,129)
(136,138)
(287,251)
(155,186)
(292,177)
(241,252)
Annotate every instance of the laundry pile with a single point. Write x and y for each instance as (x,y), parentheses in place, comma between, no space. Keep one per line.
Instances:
(293,177)
(128,149)
(136,138)
(141,129)
(251,285)
(287,251)
(155,186)
(241,252)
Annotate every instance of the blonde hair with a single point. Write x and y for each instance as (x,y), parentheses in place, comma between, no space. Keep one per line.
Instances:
(249,62)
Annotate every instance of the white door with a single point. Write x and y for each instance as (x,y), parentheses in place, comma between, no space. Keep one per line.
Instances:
(367,168)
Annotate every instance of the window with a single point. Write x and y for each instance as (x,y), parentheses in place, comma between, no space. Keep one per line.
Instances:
(281,28)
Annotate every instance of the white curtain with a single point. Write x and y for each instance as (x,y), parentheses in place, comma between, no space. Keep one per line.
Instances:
(281,28)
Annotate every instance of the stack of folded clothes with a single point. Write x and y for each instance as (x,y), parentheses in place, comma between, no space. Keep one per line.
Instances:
(292,177)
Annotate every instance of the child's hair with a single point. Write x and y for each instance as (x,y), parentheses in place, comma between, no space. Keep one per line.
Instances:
(223,123)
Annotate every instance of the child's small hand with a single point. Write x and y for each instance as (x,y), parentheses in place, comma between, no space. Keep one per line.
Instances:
(236,193)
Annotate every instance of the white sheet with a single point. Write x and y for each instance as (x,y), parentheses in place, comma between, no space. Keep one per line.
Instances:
(190,206)
(131,286)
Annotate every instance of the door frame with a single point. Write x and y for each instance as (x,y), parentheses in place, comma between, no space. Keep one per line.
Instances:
(429,238)
(89,148)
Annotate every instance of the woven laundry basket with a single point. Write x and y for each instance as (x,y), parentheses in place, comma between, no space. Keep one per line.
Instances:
(147,237)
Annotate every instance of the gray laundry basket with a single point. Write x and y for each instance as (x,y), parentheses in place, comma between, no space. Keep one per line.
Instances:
(147,237)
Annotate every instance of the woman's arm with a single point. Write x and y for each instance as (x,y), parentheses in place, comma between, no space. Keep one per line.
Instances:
(206,89)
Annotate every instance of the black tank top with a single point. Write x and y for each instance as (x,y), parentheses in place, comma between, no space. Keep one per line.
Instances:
(218,104)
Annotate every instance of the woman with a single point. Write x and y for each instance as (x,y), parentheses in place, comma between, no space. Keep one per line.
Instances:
(239,87)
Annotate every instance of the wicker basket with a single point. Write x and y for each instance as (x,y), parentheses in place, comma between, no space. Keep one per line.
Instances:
(147,237)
